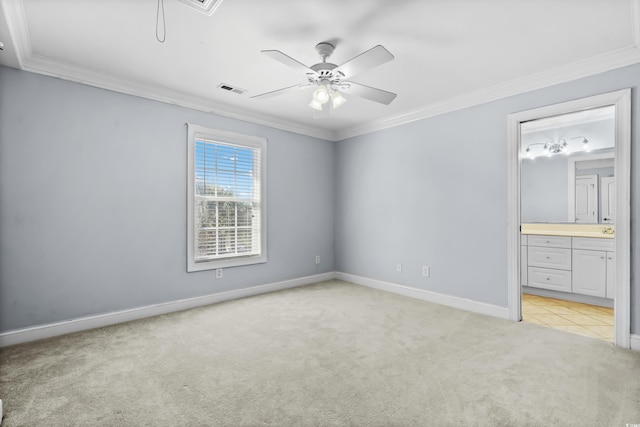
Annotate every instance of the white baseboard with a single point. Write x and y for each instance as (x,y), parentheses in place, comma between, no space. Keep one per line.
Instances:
(448,300)
(91,322)
(49,330)
(634,340)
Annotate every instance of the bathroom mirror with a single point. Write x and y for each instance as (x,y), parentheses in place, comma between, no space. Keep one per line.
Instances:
(567,172)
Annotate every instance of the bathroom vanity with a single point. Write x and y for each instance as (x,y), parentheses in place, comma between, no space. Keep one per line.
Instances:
(577,261)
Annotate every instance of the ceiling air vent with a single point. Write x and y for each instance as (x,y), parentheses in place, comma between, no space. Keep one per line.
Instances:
(205,6)
(230,88)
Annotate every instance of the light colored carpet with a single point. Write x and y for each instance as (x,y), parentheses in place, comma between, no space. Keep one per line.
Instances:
(330,354)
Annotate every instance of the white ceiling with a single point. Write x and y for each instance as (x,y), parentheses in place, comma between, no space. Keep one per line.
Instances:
(448,54)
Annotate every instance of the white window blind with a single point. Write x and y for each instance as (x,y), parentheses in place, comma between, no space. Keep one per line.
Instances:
(226,199)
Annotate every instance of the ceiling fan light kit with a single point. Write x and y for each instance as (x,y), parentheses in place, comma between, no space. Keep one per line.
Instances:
(330,80)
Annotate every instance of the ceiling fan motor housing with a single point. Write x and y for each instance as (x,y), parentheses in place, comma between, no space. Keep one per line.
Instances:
(324,73)
(324,70)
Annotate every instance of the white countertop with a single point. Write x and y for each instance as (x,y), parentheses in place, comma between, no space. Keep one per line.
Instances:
(600,231)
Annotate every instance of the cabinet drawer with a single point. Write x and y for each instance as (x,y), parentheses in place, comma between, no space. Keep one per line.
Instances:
(548,278)
(594,244)
(523,240)
(550,241)
(549,257)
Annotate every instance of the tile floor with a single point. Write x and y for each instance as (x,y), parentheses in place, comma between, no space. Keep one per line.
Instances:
(584,319)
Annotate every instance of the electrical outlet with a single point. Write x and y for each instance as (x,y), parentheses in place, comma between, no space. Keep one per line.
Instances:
(426,271)
(219,273)
(399,268)
(317,259)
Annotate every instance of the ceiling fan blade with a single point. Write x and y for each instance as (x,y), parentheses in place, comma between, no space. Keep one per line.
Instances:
(370,93)
(288,61)
(373,57)
(295,88)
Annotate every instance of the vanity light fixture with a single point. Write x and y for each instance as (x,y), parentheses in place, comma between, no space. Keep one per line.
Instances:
(550,147)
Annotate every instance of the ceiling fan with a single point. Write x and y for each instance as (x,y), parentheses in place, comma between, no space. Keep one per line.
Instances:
(331,80)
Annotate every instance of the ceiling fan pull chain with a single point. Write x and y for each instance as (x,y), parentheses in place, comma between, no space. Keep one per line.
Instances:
(164,28)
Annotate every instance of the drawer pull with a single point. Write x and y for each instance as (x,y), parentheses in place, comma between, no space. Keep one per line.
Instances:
(547,257)
(548,278)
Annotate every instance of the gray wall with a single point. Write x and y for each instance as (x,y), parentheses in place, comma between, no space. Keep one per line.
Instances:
(93,202)
(434,192)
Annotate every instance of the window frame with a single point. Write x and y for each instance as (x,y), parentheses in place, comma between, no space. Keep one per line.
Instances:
(197,132)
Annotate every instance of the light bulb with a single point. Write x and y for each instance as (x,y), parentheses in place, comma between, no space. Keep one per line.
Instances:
(321,95)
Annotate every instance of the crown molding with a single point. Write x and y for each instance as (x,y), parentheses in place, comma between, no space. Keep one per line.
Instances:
(47,66)
(28,61)
(16,21)
(583,68)
(17,25)
(573,71)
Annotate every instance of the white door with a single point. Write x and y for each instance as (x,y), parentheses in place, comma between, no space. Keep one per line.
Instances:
(608,200)
(586,199)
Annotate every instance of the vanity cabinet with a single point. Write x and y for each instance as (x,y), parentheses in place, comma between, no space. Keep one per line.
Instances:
(580,265)
(593,266)
(589,272)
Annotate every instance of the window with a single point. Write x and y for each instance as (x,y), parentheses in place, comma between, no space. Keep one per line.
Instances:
(226,215)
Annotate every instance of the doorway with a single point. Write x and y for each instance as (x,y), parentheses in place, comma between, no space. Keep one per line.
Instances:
(550,262)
